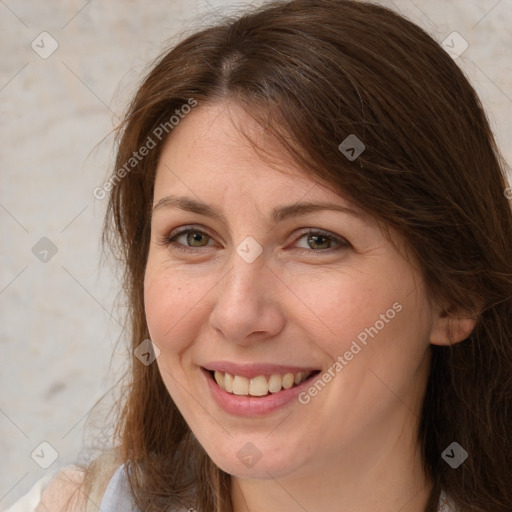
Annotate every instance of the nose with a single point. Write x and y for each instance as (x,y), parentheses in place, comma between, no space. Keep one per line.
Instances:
(248,305)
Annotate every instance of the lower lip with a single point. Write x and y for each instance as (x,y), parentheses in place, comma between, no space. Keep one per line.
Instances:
(242,405)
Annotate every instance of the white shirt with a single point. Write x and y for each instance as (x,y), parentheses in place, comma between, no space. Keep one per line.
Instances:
(117,497)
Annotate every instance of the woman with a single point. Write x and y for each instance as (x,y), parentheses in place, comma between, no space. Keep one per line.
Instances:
(309,206)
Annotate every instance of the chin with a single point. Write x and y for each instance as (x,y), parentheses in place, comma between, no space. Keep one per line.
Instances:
(247,461)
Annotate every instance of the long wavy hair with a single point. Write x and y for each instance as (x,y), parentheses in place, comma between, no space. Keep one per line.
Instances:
(313,72)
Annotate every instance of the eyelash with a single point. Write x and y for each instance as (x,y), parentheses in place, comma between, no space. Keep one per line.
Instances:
(169,239)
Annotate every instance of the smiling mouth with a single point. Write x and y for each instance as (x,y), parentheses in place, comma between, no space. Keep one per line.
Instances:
(261,385)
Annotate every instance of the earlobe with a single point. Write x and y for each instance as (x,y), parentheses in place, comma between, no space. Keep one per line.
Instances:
(451,328)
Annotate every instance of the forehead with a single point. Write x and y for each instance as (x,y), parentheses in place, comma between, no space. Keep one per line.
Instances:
(208,155)
(210,140)
(208,166)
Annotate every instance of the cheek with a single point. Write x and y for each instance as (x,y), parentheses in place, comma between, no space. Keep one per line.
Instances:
(339,306)
(169,306)
(157,297)
(168,303)
(382,314)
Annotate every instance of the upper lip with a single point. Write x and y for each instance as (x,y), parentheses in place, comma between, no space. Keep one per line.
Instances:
(254,369)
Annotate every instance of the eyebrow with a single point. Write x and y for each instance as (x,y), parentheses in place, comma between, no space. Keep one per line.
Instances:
(277,214)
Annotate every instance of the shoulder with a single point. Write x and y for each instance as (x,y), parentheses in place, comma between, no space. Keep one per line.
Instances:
(446,504)
(76,488)
(62,494)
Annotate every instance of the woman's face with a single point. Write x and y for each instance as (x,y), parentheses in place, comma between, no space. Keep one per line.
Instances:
(264,292)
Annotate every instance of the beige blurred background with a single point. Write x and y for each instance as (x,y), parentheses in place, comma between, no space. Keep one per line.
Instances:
(59,325)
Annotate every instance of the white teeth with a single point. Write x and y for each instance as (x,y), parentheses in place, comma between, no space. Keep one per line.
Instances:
(274,383)
(219,377)
(240,385)
(228,382)
(288,380)
(258,386)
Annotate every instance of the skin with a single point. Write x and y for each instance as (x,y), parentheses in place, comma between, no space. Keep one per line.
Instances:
(299,304)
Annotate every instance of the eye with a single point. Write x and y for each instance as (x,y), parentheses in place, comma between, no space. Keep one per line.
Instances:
(318,240)
(193,238)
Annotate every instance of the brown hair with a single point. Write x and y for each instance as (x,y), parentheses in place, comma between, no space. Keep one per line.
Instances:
(314,72)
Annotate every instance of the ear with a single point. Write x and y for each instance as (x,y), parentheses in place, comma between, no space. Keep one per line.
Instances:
(452,326)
